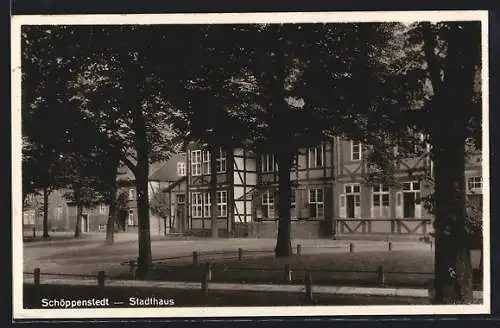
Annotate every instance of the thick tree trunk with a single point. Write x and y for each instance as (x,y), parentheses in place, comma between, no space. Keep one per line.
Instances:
(213,190)
(78,223)
(45,213)
(141,177)
(283,243)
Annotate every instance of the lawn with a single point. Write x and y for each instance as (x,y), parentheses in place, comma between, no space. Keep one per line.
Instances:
(401,268)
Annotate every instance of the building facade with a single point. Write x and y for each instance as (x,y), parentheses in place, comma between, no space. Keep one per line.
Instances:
(330,193)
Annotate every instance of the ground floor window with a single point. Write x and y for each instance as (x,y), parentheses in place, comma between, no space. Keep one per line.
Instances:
(196,205)
(316,204)
(29,217)
(380,201)
(130,217)
(222,203)
(102,227)
(268,205)
(207,203)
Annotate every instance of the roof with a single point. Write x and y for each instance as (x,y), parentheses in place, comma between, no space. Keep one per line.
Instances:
(159,171)
(175,184)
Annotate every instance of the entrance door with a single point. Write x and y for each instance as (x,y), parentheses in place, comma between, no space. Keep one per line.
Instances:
(85,222)
(350,206)
(181,219)
(409,204)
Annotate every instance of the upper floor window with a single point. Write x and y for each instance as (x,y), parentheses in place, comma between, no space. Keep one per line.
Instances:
(267,163)
(474,184)
(196,162)
(181,169)
(355,151)
(316,156)
(221,161)
(102,208)
(206,162)
(58,212)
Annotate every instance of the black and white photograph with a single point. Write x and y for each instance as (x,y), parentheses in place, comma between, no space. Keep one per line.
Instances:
(248,165)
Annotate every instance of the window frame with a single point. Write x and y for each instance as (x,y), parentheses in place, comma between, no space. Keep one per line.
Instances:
(269,161)
(358,152)
(181,169)
(196,205)
(269,203)
(196,162)
(221,203)
(318,204)
(312,156)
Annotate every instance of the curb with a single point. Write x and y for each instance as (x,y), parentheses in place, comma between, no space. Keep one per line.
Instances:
(329,290)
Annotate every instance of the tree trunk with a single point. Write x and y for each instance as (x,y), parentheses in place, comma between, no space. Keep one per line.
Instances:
(110,225)
(452,104)
(213,190)
(141,178)
(283,243)
(78,223)
(46,213)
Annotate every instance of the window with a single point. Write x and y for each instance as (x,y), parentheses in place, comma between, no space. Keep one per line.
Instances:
(221,203)
(267,162)
(196,205)
(196,162)
(102,208)
(293,210)
(380,201)
(181,169)
(221,161)
(58,212)
(268,204)
(316,156)
(181,199)
(355,151)
(131,194)
(102,227)
(206,162)
(474,184)
(316,205)
(130,217)
(206,205)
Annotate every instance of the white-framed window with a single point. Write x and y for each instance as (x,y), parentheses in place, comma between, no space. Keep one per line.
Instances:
(207,205)
(316,156)
(350,201)
(221,161)
(131,194)
(130,217)
(316,204)
(206,161)
(195,162)
(181,169)
(355,151)
(474,184)
(268,204)
(408,202)
(380,201)
(293,205)
(196,205)
(267,162)
(221,203)
(102,208)
(101,227)
(58,212)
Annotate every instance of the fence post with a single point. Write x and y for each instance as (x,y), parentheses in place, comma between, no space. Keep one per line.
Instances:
(288,273)
(34,232)
(204,284)
(37,276)
(381,276)
(299,249)
(132,271)
(309,294)
(240,254)
(351,248)
(208,271)
(100,279)
(389,246)
(195,257)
